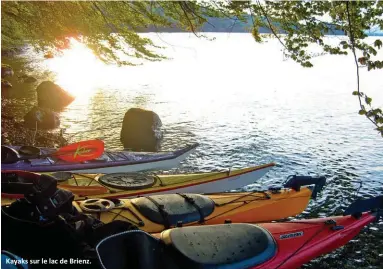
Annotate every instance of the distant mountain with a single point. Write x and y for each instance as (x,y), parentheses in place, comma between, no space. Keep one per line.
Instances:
(374,33)
(226,25)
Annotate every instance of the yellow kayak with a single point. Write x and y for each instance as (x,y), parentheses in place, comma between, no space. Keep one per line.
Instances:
(156,213)
(124,185)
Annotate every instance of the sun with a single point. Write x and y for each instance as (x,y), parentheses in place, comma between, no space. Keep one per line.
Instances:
(77,69)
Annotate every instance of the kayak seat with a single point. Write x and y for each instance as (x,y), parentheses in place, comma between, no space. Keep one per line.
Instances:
(221,246)
(169,209)
(130,249)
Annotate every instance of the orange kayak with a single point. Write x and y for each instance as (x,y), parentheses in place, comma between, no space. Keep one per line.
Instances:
(156,213)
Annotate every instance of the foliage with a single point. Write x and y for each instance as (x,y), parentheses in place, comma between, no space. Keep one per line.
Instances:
(300,23)
(48,25)
(110,28)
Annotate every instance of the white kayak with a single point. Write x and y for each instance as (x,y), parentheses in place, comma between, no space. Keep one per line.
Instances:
(108,162)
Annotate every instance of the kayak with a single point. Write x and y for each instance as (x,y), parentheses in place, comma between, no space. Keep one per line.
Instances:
(108,162)
(286,245)
(156,213)
(159,212)
(123,185)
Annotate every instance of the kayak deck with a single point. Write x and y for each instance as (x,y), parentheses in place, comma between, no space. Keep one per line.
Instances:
(79,183)
(246,207)
(85,186)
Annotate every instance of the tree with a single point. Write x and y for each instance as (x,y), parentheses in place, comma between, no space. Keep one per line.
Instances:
(301,24)
(296,24)
(110,28)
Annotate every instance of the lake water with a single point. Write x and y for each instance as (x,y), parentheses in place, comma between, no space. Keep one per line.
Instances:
(244,104)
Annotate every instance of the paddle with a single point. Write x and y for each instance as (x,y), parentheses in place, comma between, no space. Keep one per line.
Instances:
(76,152)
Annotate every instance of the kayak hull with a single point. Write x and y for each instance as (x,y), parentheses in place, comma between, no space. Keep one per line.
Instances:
(109,162)
(230,182)
(90,186)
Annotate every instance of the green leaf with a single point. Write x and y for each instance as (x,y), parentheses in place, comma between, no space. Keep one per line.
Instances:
(368,100)
(355,93)
(378,43)
(307,64)
(362,112)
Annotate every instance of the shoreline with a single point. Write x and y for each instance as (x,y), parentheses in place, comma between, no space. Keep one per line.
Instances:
(13,131)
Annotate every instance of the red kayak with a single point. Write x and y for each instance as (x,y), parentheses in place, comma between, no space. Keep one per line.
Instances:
(238,246)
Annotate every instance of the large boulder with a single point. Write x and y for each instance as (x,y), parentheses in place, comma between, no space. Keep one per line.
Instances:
(141,130)
(50,95)
(45,118)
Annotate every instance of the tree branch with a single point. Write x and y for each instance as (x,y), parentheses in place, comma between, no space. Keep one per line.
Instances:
(111,26)
(270,26)
(187,17)
(195,14)
(352,40)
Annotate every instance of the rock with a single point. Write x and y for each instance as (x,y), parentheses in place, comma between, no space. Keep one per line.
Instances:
(6,71)
(50,95)
(5,84)
(46,119)
(141,130)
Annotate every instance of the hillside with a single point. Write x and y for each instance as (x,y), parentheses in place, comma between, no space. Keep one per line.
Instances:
(225,25)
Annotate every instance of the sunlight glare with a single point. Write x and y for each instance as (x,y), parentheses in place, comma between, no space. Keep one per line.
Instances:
(77,70)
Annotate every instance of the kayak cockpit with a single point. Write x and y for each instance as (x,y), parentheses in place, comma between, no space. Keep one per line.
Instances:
(215,246)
